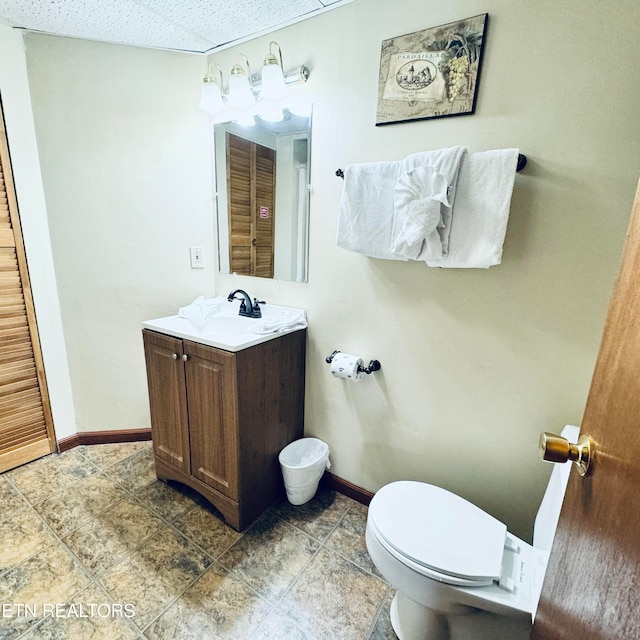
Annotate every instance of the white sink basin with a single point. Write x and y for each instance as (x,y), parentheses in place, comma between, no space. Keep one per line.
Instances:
(229,326)
(227,330)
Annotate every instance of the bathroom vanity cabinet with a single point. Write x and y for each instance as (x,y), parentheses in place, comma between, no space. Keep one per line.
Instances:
(219,418)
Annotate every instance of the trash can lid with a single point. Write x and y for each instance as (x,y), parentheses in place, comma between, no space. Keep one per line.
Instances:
(303,452)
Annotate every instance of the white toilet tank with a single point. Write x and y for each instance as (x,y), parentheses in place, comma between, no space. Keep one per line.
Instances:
(546,522)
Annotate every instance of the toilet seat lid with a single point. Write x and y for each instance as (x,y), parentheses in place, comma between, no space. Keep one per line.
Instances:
(439,530)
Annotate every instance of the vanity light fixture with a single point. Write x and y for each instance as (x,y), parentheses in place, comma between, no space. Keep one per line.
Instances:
(240,94)
(211,92)
(271,115)
(300,108)
(264,95)
(273,85)
(245,120)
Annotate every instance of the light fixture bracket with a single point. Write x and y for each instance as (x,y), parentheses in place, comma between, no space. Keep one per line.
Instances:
(238,68)
(247,94)
(271,58)
(209,77)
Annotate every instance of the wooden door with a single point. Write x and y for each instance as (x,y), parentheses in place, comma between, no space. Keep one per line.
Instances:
(592,586)
(251,176)
(26,424)
(212,407)
(167,399)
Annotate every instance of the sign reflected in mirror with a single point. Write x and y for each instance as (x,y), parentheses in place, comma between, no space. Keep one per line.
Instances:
(262,179)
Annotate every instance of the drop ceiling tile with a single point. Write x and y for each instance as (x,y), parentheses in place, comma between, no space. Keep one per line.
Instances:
(188,25)
(223,22)
(120,21)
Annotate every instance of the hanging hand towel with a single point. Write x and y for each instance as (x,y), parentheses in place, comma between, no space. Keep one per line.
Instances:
(366,209)
(418,198)
(288,321)
(480,211)
(423,198)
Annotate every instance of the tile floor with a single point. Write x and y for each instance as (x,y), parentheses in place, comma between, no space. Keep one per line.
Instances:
(92,545)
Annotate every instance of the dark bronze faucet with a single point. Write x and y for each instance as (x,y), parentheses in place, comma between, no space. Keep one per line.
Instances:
(247,308)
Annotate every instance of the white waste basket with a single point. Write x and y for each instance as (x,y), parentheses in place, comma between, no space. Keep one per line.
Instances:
(303,462)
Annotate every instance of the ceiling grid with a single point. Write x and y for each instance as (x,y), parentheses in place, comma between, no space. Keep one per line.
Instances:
(197,26)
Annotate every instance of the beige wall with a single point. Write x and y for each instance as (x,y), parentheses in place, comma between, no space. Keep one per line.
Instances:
(475,363)
(127,169)
(16,103)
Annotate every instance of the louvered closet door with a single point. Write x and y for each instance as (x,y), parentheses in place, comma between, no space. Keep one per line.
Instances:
(26,427)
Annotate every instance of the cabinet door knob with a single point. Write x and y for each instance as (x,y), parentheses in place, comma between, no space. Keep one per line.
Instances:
(185,357)
(175,356)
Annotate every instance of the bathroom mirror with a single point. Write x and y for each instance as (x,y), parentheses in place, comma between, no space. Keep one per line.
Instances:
(262,177)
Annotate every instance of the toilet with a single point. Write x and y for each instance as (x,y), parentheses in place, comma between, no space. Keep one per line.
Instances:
(458,572)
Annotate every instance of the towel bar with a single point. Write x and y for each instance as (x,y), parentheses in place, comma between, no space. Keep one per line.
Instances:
(522,163)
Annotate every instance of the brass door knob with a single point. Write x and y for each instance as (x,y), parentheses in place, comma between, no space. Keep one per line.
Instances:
(553,448)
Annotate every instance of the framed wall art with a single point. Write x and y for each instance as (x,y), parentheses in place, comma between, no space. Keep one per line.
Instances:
(431,73)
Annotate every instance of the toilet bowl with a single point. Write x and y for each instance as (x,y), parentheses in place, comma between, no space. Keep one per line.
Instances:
(458,572)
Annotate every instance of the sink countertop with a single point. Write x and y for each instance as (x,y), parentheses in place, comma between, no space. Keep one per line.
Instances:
(226,329)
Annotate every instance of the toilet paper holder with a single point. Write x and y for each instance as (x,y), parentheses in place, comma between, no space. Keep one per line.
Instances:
(374,365)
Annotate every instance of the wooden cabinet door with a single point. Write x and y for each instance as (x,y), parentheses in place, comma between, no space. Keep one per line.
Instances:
(212,392)
(167,399)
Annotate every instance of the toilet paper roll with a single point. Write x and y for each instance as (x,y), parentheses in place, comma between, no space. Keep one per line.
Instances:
(345,365)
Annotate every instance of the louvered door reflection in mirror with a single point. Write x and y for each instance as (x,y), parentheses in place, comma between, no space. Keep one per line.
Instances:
(251,186)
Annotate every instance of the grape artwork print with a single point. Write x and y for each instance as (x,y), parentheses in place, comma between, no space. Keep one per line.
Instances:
(431,73)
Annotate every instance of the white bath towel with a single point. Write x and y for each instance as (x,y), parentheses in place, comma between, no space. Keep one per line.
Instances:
(366,212)
(201,309)
(418,198)
(423,198)
(481,210)
(288,321)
